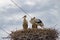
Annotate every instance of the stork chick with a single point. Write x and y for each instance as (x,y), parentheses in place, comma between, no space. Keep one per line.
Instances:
(25,23)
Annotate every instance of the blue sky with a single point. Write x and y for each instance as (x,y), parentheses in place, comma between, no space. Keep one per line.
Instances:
(11,16)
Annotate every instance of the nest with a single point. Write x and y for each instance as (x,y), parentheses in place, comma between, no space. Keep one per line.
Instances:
(34,34)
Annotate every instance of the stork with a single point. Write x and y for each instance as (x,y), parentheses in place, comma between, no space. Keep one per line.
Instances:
(39,22)
(34,25)
(25,23)
(36,22)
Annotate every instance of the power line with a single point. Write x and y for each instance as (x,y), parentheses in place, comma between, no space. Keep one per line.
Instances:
(4,30)
(20,8)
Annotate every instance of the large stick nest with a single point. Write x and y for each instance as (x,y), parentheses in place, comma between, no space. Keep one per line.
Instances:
(35,34)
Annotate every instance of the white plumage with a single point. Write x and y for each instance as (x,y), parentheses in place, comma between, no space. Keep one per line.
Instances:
(25,23)
(37,21)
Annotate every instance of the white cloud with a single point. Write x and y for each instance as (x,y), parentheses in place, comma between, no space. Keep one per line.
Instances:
(15,17)
(4,3)
(54,12)
(35,2)
(7,4)
(29,3)
(46,10)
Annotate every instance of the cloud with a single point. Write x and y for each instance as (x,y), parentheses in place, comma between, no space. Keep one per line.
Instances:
(4,3)
(46,10)
(38,8)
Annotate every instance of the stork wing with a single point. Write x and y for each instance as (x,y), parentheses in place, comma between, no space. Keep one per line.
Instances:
(38,21)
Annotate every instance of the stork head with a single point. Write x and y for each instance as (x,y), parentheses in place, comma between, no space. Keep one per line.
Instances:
(24,16)
(33,18)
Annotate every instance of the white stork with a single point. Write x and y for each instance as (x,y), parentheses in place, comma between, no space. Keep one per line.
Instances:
(25,23)
(37,21)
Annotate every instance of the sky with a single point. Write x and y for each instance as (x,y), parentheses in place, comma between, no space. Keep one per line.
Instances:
(11,16)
